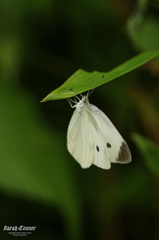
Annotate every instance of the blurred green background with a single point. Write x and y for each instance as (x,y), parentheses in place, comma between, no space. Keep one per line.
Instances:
(42,43)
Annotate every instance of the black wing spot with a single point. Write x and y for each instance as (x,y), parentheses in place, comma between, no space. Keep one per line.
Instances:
(109,145)
(97,148)
(124,155)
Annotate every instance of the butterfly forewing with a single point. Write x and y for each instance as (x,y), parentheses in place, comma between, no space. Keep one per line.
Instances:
(116,148)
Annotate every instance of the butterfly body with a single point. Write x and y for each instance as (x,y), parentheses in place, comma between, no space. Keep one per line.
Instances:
(93,139)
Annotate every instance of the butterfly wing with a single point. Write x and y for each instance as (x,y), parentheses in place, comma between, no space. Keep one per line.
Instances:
(93,139)
(85,141)
(101,157)
(79,139)
(113,145)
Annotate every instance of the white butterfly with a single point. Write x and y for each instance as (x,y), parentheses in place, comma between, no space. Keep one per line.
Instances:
(93,139)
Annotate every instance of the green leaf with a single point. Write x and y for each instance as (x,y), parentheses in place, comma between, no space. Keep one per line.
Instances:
(143,31)
(82,81)
(149,151)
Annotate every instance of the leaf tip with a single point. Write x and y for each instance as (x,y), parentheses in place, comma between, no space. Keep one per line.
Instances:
(44,100)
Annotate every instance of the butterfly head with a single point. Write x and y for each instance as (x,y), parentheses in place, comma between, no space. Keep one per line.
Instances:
(79,103)
(85,100)
(83,103)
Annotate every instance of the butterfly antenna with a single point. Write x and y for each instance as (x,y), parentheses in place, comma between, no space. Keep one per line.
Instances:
(90,92)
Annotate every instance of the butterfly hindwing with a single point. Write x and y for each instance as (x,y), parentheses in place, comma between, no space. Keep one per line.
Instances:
(80,139)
